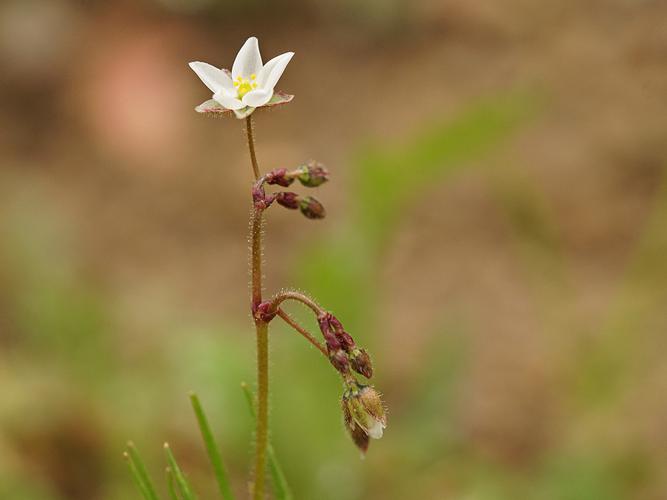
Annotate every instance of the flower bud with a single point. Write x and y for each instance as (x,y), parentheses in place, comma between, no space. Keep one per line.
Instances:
(288,199)
(279,176)
(359,436)
(311,208)
(339,360)
(363,412)
(312,174)
(361,362)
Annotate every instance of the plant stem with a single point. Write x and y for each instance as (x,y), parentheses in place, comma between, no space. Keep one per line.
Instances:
(251,146)
(262,332)
(299,297)
(309,337)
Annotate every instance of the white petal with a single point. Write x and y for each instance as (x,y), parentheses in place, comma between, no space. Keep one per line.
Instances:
(248,61)
(228,101)
(376,430)
(257,97)
(273,70)
(215,79)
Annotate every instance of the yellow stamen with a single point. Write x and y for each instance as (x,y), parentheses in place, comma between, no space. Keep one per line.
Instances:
(245,85)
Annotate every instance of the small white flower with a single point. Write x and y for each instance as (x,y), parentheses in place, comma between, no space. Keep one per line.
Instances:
(249,85)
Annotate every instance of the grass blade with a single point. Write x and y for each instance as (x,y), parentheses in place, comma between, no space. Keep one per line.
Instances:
(280,487)
(171,484)
(137,478)
(211,449)
(138,470)
(181,481)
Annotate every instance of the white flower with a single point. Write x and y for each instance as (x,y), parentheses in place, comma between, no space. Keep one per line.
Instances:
(250,84)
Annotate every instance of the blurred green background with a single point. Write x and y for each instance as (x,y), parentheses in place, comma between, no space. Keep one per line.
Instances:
(497,238)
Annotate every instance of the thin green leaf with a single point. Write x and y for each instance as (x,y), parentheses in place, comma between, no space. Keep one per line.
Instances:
(171,484)
(137,477)
(137,467)
(182,483)
(280,487)
(211,449)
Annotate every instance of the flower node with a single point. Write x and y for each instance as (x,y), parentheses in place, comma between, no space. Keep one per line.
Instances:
(260,199)
(264,312)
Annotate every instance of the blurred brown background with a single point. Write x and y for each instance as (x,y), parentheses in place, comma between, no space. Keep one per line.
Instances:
(496,236)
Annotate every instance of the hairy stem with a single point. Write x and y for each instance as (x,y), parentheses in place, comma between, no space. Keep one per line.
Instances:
(262,331)
(299,297)
(309,337)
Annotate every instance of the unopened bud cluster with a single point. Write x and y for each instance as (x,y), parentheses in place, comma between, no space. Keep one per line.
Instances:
(363,411)
(312,174)
(341,348)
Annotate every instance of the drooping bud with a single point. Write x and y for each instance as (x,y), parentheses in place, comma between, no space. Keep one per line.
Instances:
(363,412)
(312,174)
(361,362)
(279,177)
(358,435)
(288,199)
(311,208)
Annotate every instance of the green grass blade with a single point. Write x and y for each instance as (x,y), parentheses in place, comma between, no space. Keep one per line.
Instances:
(171,484)
(181,481)
(139,472)
(137,477)
(280,487)
(211,449)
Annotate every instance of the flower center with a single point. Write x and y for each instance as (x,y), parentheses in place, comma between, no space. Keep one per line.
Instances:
(245,85)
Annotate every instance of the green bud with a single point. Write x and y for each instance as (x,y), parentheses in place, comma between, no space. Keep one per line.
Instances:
(364,414)
(312,174)
(311,208)
(358,435)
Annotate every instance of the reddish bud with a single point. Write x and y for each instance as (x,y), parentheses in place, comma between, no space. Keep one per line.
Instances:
(288,200)
(337,354)
(339,360)
(279,176)
(361,362)
(311,208)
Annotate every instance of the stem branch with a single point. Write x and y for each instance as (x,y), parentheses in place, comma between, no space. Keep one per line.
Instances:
(309,337)
(299,297)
